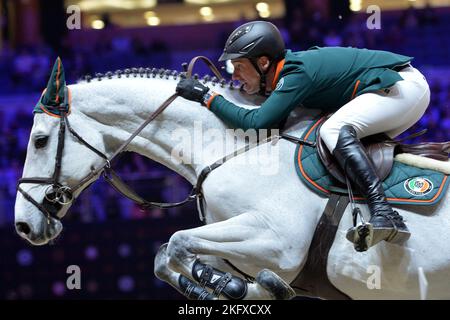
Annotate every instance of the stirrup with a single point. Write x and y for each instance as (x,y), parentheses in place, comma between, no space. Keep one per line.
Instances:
(361,236)
(365,236)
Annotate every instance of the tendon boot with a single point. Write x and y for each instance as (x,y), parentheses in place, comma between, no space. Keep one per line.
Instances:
(385,223)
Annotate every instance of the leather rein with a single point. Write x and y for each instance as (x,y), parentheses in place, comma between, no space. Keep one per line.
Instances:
(58,195)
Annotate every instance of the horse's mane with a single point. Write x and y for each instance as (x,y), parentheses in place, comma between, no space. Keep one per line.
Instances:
(231,87)
(157,72)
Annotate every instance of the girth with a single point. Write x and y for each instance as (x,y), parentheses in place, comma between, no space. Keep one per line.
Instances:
(312,281)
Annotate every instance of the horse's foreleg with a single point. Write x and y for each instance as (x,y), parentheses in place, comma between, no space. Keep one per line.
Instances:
(230,287)
(193,290)
(184,285)
(232,239)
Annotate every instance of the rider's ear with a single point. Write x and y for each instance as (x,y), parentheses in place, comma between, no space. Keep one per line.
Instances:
(264,63)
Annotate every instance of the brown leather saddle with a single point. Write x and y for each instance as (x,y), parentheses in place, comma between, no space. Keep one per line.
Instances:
(381,151)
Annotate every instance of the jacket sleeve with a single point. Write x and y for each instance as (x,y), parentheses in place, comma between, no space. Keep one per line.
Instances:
(291,90)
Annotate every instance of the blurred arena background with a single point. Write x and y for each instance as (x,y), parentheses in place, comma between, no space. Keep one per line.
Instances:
(107,236)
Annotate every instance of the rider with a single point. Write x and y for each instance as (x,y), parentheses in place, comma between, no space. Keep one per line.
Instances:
(369,91)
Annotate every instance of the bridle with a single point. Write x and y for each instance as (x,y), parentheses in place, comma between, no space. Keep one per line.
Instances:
(59,195)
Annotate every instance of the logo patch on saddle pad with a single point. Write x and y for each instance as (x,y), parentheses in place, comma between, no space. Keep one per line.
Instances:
(418,186)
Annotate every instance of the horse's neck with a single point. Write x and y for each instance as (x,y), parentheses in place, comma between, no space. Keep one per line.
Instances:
(175,138)
(184,138)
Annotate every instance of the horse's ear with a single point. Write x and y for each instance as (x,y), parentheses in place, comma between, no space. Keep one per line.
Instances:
(53,95)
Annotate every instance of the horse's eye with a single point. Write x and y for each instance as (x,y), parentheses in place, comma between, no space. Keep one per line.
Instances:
(40,142)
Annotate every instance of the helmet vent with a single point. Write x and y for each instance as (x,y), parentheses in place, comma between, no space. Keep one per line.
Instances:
(239,33)
(247,48)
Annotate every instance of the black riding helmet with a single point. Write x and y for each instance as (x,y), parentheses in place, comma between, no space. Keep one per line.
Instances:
(253,40)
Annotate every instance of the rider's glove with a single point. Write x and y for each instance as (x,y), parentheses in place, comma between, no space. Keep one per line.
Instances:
(192,89)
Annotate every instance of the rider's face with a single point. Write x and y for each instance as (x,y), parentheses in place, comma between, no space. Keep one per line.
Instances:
(245,73)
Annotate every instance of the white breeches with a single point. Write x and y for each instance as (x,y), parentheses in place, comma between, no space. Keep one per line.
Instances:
(392,113)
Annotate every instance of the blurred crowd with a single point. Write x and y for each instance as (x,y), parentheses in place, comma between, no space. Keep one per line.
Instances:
(27,68)
(412,32)
(318,26)
(418,33)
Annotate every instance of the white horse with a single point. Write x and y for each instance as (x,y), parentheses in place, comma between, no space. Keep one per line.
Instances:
(256,219)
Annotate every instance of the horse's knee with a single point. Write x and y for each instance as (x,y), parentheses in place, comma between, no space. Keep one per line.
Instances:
(178,250)
(160,266)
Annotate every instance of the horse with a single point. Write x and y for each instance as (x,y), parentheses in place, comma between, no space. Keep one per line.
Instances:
(259,218)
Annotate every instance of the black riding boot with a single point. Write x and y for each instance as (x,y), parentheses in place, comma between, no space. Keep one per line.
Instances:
(385,223)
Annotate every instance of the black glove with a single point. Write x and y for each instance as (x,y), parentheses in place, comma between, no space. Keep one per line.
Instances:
(192,89)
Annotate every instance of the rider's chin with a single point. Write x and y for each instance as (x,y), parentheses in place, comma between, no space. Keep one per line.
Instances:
(248,89)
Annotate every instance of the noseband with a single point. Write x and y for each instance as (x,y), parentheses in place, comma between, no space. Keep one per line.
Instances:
(59,195)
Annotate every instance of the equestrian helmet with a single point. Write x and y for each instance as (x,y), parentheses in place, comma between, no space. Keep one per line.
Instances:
(252,40)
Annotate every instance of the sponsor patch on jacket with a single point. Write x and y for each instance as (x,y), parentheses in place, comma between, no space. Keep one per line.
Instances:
(280,84)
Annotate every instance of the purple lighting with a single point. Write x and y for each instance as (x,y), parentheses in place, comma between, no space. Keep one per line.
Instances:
(91,253)
(124,250)
(24,257)
(58,288)
(126,283)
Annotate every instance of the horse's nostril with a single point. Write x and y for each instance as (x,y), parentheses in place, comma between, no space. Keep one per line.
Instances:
(23,227)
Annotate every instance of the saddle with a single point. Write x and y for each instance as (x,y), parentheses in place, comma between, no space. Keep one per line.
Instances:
(381,151)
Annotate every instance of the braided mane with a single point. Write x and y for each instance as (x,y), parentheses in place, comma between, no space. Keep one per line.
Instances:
(155,72)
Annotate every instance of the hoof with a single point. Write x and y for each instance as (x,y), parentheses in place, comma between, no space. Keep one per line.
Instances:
(276,286)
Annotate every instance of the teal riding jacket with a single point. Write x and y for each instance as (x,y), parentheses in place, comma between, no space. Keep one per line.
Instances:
(323,78)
